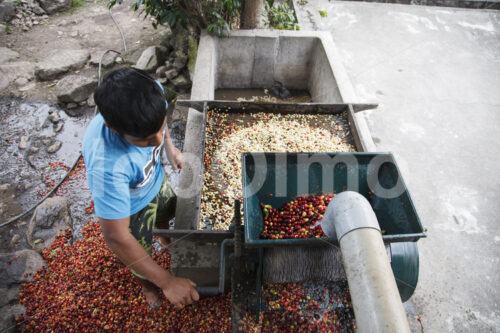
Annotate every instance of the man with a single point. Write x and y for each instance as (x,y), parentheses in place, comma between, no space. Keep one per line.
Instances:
(121,150)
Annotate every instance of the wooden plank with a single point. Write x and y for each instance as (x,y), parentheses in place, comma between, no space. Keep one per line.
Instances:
(285,108)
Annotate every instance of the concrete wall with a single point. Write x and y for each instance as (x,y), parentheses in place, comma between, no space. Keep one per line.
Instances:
(322,83)
(255,59)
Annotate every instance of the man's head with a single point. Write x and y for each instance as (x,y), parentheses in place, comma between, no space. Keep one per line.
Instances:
(132,104)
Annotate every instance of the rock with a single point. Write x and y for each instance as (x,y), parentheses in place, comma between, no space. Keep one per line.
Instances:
(74,34)
(162,80)
(38,10)
(50,219)
(170,74)
(160,71)
(90,100)
(180,62)
(54,117)
(52,6)
(7,55)
(170,91)
(59,62)
(107,61)
(59,127)
(23,142)
(181,112)
(5,187)
(19,270)
(70,106)
(169,64)
(32,162)
(21,81)
(181,82)
(34,149)
(119,60)
(54,147)
(13,70)
(46,142)
(8,314)
(3,30)
(7,10)
(27,87)
(75,88)
(16,238)
(151,58)
(9,295)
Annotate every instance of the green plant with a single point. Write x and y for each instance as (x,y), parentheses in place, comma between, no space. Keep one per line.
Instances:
(280,17)
(323,13)
(303,2)
(77,3)
(215,15)
(224,12)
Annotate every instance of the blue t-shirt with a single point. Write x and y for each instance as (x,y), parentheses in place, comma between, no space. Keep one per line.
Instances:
(123,177)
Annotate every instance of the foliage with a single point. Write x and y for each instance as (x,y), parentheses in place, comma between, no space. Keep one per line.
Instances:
(303,2)
(215,15)
(221,16)
(323,13)
(77,3)
(281,16)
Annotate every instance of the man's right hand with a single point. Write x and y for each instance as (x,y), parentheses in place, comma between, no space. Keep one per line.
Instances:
(180,292)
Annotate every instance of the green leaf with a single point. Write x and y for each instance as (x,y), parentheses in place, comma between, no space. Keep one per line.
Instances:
(39,240)
(323,13)
(51,254)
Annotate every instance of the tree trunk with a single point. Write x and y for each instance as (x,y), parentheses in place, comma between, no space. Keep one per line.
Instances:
(194,12)
(253,14)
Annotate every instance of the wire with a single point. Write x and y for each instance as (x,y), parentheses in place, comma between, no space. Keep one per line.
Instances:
(119,29)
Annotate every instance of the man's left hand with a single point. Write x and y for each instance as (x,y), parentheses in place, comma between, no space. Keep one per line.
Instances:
(175,157)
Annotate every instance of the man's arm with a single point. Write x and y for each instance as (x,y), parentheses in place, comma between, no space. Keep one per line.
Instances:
(116,233)
(173,154)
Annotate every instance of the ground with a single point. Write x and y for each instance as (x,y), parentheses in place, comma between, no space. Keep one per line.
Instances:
(89,27)
(436,74)
(24,112)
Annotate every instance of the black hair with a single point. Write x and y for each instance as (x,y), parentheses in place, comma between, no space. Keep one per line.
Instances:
(131,102)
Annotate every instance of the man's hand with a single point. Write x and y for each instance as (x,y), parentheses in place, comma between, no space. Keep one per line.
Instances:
(175,157)
(117,236)
(180,292)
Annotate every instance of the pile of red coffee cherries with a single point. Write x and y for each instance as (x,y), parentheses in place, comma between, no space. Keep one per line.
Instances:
(85,288)
(296,219)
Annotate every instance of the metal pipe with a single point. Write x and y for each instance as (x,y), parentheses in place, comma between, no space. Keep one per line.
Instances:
(222,269)
(217,290)
(374,293)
